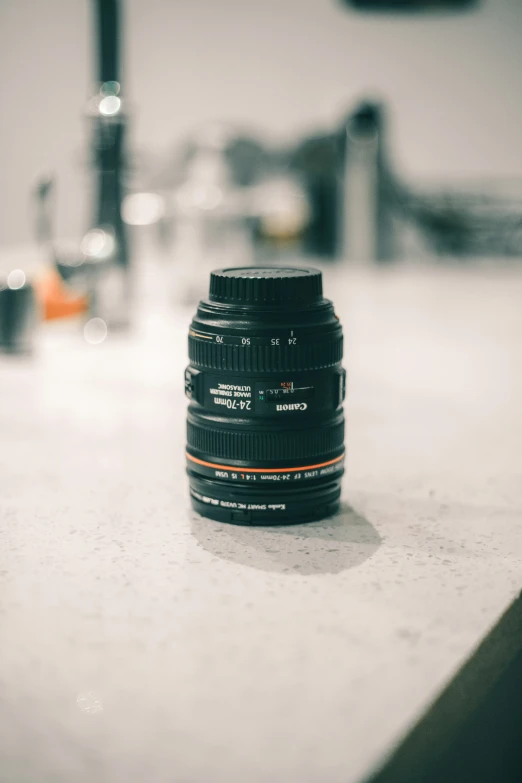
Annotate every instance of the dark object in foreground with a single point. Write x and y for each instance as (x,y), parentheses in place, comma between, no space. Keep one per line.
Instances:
(265,431)
(17,315)
(471,733)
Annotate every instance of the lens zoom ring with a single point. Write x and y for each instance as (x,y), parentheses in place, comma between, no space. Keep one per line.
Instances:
(265,358)
(265,446)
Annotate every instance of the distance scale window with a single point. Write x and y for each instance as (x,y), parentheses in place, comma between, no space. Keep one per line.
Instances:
(287,392)
(273,397)
(233,339)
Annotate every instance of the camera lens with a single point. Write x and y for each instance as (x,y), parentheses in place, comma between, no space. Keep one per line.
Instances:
(265,429)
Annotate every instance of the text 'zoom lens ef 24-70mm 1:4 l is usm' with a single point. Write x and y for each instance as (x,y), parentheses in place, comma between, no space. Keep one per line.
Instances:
(265,428)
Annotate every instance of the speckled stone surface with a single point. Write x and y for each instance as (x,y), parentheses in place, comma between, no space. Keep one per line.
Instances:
(140,642)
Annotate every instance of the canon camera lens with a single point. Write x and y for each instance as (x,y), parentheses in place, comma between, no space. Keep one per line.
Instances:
(265,429)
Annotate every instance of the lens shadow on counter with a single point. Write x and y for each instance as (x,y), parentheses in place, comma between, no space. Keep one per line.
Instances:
(330,546)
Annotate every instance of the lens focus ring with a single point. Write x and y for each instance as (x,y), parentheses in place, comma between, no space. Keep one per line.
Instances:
(266,358)
(265,445)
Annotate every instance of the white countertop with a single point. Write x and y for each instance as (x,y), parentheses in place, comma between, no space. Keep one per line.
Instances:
(143,643)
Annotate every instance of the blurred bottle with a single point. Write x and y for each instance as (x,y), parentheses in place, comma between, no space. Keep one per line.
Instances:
(346,178)
(366,226)
(280,209)
(56,265)
(211,226)
(317,162)
(18,313)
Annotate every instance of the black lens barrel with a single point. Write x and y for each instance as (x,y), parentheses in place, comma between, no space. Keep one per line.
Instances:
(265,429)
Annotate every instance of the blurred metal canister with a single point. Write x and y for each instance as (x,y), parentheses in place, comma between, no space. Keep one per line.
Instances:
(367,231)
(17,313)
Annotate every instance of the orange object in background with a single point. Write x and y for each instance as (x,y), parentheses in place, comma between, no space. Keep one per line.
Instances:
(56,299)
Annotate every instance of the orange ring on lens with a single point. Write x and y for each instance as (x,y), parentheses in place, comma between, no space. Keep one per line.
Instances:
(238,469)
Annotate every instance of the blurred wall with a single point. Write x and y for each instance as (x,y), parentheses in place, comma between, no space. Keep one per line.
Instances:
(283,66)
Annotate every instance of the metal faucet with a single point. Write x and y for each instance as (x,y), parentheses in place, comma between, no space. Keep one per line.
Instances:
(106,244)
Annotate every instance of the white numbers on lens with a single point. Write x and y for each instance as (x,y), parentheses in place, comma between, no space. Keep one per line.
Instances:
(245,341)
(233,404)
(292,341)
(219,339)
(275,340)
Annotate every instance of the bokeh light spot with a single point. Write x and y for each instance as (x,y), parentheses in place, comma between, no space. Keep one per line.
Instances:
(110,105)
(95,331)
(16,279)
(143,209)
(98,244)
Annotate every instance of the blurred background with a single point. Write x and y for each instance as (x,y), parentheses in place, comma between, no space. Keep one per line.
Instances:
(348,131)
(144,143)
(281,68)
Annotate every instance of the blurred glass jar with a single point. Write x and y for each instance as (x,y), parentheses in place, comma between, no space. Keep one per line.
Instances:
(210,225)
